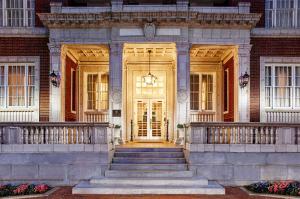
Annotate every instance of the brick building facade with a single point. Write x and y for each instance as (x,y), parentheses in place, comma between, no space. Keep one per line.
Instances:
(250,34)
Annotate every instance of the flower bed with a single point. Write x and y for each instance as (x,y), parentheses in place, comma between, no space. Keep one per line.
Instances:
(23,189)
(291,188)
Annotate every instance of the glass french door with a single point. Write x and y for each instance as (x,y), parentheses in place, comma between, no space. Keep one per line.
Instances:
(149,119)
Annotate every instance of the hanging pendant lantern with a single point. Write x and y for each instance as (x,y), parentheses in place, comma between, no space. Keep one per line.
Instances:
(149,79)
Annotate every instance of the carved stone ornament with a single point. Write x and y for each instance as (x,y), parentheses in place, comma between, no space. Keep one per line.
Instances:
(116,96)
(182,95)
(149,31)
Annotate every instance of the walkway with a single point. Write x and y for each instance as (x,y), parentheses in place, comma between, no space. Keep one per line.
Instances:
(231,193)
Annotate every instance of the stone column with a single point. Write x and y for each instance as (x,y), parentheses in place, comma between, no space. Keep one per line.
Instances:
(55,107)
(243,93)
(183,82)
(115,81)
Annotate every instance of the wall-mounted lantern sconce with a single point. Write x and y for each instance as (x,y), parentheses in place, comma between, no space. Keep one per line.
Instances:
(54,78)
(244,80)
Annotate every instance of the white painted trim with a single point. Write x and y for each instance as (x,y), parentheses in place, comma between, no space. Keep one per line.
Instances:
(272,61)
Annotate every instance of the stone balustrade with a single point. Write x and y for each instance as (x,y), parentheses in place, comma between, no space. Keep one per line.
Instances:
(203,116)
(283,116)
(95,116)
(55,133)
(243,133)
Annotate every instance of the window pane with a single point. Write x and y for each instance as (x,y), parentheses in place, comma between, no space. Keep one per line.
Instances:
(16,85)
(283,83)
(2,86)
(104,92)
(30,85)
(297,86)
(92,80)
(194,84)
(1,13)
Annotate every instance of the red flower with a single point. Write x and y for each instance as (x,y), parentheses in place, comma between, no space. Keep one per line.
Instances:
(2,186)
(41,188)
(21,189)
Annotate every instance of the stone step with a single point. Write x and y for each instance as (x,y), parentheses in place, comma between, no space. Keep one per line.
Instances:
(148,174)
(88,188)
(126,160)
(172,167)
(149,154)
(150,181)
(123,149)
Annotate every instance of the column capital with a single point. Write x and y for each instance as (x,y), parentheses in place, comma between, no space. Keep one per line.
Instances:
(116,48)
(244,49)
(183,48)
(55,49)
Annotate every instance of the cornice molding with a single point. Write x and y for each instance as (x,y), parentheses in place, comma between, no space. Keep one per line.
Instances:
(175,18)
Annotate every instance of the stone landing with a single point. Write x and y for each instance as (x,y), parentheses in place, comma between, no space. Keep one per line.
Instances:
(148,171)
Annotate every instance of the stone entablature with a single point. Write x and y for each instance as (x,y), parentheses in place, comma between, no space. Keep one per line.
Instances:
(178,18)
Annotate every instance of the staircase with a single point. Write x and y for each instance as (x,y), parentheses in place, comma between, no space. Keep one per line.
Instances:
(148,171)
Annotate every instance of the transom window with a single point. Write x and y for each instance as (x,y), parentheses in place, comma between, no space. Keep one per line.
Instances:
(97,91)
(17,13)
(282,13)
(17,85)
(157,90)
(282,86)
(202,92)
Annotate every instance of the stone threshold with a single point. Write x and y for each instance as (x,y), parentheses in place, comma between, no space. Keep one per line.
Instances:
(250,193)
(48,193)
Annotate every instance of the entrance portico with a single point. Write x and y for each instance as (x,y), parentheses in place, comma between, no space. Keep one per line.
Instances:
(195,54)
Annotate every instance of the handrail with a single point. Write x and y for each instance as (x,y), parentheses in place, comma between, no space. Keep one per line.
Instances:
(246,124)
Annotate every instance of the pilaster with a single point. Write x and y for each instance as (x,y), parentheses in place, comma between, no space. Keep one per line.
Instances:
(183,85)
(243,93)
(115,81)
(55,92)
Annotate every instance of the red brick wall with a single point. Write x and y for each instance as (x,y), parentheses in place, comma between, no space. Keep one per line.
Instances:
(32,47)
(69,116)
(281,47)
(229,117)
(41,6)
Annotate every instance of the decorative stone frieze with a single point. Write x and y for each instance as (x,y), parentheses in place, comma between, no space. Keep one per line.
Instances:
(110,19)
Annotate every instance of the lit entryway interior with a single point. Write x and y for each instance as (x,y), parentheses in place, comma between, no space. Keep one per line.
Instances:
(149,107)
(212,83)
(86,75)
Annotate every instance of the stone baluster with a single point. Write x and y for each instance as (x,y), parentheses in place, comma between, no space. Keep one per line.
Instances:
(42,135)
(46,135)
(31,135)
(56,135)
(256,132)
(51,136)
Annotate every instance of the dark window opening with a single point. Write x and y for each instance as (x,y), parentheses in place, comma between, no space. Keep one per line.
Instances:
(87,3)
(149,2)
